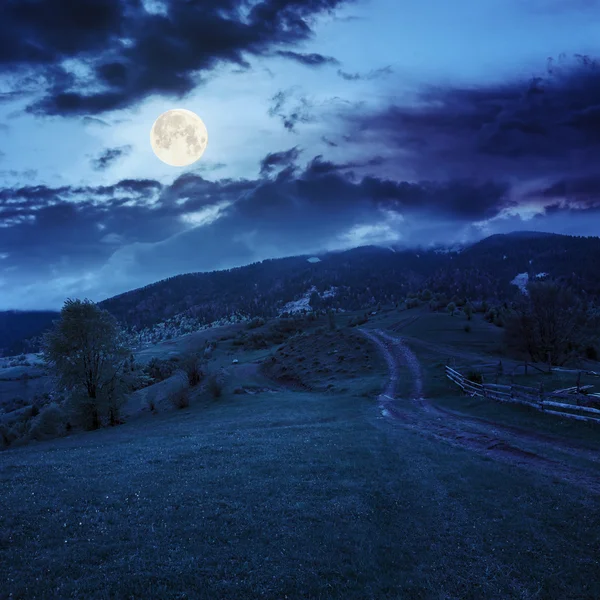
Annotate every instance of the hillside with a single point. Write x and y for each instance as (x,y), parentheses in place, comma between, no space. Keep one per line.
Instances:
(16,326)
(355,279)
(363,277)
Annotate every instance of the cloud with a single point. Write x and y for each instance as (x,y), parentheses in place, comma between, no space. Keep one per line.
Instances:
(109,156)
(283,159)
(102,55)
(310,60)
(329,142)
(103,240)
(299,112)
(94,121)
(528,128)
(373,74)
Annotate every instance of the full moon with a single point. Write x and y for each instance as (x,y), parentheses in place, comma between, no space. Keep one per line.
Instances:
(179,137)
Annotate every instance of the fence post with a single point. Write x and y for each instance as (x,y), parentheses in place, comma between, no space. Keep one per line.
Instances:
(541,394)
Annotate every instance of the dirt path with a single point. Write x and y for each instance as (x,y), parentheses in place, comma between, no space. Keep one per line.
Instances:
(509,444)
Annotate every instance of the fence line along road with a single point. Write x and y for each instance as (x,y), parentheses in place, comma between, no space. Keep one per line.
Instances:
(530,396)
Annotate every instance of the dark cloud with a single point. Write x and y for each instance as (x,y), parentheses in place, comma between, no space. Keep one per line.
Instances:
(274,160)
(310,60)
(329,142)
(94,121)
(134,53)
(291,110)
(103,240)
(527,128)
(109,156)
(584,190)
(318,166)
(373,74)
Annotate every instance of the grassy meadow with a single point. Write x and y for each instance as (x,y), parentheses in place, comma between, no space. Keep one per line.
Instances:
(292,485)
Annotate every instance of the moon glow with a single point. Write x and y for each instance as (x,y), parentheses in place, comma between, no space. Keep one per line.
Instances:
(179,137)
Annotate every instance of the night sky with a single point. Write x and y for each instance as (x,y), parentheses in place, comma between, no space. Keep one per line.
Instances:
(331,124)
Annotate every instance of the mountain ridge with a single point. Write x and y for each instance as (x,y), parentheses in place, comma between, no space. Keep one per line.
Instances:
(363,277)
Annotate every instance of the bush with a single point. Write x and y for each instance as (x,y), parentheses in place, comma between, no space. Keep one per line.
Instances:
(7,436)
(192,367)
(475,377)
(180,397)
(214,386)
(354,321)
(591,352)
(49,423)
(256,322)
(160,369)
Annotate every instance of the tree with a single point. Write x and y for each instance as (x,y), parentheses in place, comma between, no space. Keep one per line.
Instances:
(451,308)
(87,353)
(550,323)
(468,311)
(331,319)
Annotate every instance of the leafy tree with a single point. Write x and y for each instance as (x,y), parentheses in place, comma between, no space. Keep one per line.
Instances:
(468,311)
(86,351)
(550,323)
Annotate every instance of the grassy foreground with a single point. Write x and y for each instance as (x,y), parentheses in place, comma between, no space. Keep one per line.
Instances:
(285,495)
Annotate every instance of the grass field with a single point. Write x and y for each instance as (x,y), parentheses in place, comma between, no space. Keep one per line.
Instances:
(291,495)
(298,494)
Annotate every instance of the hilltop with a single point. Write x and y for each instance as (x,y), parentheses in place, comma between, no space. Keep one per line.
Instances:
(357,279)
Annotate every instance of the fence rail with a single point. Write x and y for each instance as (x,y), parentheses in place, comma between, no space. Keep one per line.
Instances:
(535,397)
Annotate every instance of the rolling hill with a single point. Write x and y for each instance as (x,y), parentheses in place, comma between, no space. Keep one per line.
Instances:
(359,278)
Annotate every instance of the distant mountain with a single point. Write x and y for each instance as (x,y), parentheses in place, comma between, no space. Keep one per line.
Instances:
(356,279)
(17,326)
(365,276)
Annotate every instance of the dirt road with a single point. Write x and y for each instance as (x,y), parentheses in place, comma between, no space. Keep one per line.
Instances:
(527,449)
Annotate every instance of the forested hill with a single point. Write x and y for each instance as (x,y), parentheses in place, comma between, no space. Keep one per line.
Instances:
(358,278)
(366,276)
(16,326)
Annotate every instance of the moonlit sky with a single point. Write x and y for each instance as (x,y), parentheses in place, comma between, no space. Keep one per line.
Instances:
(331,124)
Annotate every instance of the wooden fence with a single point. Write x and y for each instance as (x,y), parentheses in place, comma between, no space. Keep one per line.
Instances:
(530,396)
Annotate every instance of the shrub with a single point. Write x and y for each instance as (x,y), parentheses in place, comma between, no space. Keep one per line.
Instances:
(591,352)
(159,369)
(192,367)
(256,322)
(475,377)
(180,397)
(49,423)
(7,436)
(215,386)
(469,310)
